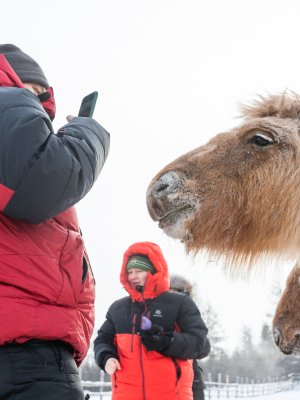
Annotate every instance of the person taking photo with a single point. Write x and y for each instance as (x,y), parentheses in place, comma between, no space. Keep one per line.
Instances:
(47,289)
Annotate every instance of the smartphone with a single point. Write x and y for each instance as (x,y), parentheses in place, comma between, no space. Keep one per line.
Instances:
(88,105)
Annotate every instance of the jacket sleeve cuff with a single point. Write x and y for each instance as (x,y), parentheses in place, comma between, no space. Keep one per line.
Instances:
(105,357)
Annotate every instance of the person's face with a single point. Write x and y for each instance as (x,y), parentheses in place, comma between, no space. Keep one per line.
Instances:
(136,277)
(35,88)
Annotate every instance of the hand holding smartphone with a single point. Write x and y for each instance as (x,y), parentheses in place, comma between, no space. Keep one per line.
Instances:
(88,105)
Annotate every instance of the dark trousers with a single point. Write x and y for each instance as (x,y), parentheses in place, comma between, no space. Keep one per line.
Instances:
(198,383)
(198,393)
(39,370)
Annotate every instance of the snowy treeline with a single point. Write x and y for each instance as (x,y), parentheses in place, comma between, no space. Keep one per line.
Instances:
(260,362)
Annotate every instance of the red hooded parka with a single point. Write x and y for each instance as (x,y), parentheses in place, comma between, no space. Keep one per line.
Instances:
(46,284)
(151,375)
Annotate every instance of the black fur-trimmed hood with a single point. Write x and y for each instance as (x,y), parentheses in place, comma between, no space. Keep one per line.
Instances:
(181,284)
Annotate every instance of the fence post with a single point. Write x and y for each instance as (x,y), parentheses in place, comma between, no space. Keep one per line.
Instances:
(252,387)
(219,387)
(219,377)
(237,387)
(247,386)
(101,380)
(227,386)
(209,387)
(237,380)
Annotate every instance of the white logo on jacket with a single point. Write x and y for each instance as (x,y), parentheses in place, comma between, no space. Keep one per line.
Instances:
(157,313)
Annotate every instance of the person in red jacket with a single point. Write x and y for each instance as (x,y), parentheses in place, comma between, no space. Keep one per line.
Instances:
(150,337)
(46,283)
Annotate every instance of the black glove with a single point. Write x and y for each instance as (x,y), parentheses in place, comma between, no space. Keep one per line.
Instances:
(156,339)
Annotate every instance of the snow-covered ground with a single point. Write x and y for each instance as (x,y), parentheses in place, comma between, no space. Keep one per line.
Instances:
(290,395)
(97,397)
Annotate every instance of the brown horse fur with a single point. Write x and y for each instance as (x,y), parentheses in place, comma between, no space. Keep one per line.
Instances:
(239,197)
(286,322)
(234,196)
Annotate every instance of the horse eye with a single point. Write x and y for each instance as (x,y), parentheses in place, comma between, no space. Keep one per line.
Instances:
(261,140)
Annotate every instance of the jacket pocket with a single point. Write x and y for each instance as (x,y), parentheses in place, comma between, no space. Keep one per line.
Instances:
(177,370)
(72,269)
(85,269)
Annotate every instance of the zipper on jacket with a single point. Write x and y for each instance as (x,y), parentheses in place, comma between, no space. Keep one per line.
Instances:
(115,385)
(141,345)
(142,371)
(133,330)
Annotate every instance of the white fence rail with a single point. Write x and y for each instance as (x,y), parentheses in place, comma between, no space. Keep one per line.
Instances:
(214,390)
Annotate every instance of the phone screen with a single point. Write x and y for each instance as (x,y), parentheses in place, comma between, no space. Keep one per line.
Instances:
(88,105)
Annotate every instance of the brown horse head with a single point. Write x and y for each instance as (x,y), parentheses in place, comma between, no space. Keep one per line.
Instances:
(238,195)
(286,322)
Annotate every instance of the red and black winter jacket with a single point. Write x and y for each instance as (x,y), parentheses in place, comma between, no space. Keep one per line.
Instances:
(46,284)
(151,375)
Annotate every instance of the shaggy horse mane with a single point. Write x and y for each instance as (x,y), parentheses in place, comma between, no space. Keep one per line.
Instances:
(284,105)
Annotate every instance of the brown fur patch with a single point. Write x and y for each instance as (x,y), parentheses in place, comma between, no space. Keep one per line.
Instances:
(287,315)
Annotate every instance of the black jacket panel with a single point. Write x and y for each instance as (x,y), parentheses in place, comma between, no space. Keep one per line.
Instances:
(169,310)
(47,172)
(191,341)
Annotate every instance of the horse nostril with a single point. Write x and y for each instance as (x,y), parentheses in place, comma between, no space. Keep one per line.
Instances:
(167,184)
(161,187)
(277,336)
(287,350)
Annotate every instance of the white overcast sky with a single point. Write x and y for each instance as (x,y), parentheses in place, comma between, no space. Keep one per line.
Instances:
(170,75)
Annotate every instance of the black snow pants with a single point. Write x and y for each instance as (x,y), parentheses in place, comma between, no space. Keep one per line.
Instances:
(198,383)
(39,370)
